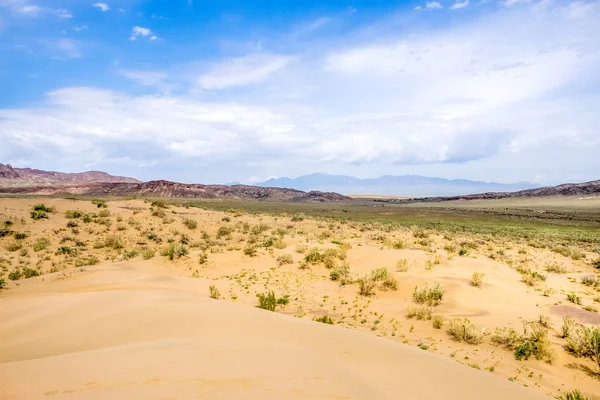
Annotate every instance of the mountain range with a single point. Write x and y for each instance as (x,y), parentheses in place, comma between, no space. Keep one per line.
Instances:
(391,185)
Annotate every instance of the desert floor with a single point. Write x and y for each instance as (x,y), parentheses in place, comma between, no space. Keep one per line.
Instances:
(116,302)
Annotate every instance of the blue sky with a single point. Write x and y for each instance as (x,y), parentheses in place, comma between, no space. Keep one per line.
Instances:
(221,91)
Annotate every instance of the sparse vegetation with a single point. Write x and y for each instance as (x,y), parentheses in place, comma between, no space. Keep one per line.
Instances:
(420,313)
(438,321)
(190,223)
(573,395)
(174,250)
(366,286)
(463,330)
(430,295)
(574,298)
(283,259)
(477,279)
(324,319)
(214,292)
(267,301)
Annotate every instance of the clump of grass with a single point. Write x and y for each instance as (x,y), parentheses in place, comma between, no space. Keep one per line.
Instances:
(13,246)
(30,273)
(100,203)
(20,235)
(462,252)
(390,283)
(534,342)
(190,223)
(15,275)
(379,274)
(104,213)
(148,253)
(366,286)
(214,292)
(267,301)
(250,249)
(402,265)
(112,241)
(283,259)
(507,337)
(2,283)
(574,298)
(589,280)
(590,308)
(340,273)
(86,261)
(585,342)
(420,313)
(573,395)
(568,326)
(477,279)
(174,250)
(301,248)
(430,295)
(438,321)
(73,214)
(532,278)
(463,330)
(556,268)
(64,250)
(41,244)
(324,319)
(596,263)
(129,254)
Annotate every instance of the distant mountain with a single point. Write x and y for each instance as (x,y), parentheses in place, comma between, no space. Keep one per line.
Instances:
(21,177)
(391,185)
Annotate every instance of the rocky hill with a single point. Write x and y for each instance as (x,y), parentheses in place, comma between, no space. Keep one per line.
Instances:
(22,177)
(591,188)
(179,190)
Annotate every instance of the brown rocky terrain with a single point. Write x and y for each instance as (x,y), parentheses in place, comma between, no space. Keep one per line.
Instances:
(568,189)
(19,177)
(178,190)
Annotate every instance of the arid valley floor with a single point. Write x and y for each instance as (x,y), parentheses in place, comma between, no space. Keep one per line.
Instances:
(135,299)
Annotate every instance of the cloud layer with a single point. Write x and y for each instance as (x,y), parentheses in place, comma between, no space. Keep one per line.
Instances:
(496,97)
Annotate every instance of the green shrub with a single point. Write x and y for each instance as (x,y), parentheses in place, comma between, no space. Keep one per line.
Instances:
(462,252)
(284,300)
(20,235)
(86,261)
(574,298)
(30,273)
(573,395)
(284,259)
(366,286)
(72,224)
(147,253)
(556,268)
(339,273)
(477,279)
(324,319)
(507,337)
(129,254)
(267,301)
(174,250)
(190,223)
(39,215)
(41,244)
(438,321)
(250,250)
(596,263)
(13,246)
(402,265)
(100,203)
(390,283)
(432,296)
(534,342)
(214,292)
(42,207)
(568,326)
(314,256)
(104,213)
(64,250)
(158,204)
(379,274)
(15,275)
(463,331)
(585,342)
(589,280)
(420,313)
(2,283)
(73,214)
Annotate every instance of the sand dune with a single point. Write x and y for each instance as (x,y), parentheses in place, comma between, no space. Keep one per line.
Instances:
(120,333)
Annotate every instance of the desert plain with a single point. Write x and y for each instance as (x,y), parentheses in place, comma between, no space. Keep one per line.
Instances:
(154,299)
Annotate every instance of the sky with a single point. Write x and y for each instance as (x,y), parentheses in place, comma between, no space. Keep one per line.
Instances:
(245,90)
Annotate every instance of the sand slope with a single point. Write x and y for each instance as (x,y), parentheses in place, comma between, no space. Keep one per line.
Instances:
(119,333)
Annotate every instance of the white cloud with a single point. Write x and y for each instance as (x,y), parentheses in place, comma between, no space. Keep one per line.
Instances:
(64,48)
(80,28)
(243,71)
(35,11)
(433,4)
(510,3)
(101,6)
(459,5)
(158,80)
(138,31)
(418,8)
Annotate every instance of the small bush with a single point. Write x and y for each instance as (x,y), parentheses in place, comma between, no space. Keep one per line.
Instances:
(532,278)
(64,250)
(214,292)
(585,342)
(41,244)
(148,253)
(100,203)
(129,254)
(589,280)
(596,264)
(36,215)
(174,250)
(573,395)
(2,283)
(190,223)
(15,275)
(574,298)
(86,261)
(366,286)
(507,337)
(13,246)
(284,300)
(301,248)
(250,250)
(432,296)
(390,283)
(324,319)
(438,321)
(285,259)
(462,252)
(73,214)
(556,268)
(267,301)
(72,224)
(535,342)
(30,273)
(420,313)
(104,213)
(477,279)
(463,331)
(42,207)
(20,235)
(339,273)
(568,326)
(402,265)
